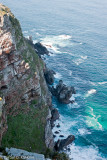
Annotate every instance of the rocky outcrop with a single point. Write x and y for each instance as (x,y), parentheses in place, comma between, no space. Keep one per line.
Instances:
(55,116)
(49,76)
(23,87)
(40,49)
(61,144)
(63,92)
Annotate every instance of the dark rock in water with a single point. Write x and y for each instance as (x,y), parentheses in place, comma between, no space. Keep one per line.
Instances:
(40,49)
(58,126)
(56,132)
(68,149)
(49,76)
(63,92)
(73,90)
(72,101)
(54,136)
(55,116)
(52,90)
(60,144)
(61,136)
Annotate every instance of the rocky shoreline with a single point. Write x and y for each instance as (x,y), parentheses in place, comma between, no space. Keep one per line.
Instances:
(26,112)
(62,92)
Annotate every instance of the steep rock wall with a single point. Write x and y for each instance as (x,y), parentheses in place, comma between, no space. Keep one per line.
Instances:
(24,94)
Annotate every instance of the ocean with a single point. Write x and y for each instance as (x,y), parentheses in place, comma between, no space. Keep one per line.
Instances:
(76,30)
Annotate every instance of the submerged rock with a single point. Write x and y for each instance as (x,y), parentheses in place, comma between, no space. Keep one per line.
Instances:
(61,144)
(63,92)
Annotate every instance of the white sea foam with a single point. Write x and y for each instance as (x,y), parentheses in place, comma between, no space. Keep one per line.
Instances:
(64,36)
(25,32)
(58,75)
(38,34)
(83,153)
(98,83)
(52,42)
(51,48)
(74,105)
(83,131)
(70,73)
(78,61)
(27,37)
(101,83)
(65,125)
(35,41)
(92,121)
(90,92)
(81,43)
(84,57)
(72,98)
(71,54)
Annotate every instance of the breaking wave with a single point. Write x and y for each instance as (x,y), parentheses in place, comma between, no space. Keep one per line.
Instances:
(92,91)
(83,153)
(92,120)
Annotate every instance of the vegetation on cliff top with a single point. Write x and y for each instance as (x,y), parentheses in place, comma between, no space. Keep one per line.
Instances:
(5,10)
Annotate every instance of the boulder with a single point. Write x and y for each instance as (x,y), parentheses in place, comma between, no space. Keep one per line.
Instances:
(56,132)
(58,125)
(61,136)
(49,76)
(63,92)
(40,49)
(61,144)
(55,116)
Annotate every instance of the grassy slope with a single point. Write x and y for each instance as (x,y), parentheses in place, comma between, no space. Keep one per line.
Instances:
(26,130)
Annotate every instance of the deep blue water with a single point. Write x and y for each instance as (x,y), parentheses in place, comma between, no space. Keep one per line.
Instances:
(77,31)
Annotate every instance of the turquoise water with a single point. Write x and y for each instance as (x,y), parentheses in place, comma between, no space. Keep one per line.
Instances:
(77,32)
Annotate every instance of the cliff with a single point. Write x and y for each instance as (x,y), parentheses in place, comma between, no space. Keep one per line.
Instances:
(24,97)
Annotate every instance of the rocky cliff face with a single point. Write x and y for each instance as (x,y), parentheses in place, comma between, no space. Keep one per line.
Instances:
(25,100)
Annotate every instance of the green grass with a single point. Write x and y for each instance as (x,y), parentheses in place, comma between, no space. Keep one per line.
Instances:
(27,130)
